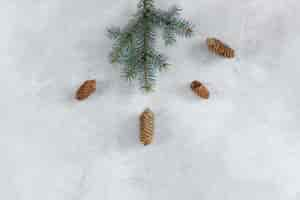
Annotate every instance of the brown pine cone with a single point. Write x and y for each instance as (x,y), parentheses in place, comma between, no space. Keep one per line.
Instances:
(86,89)
(146,127)
(199,89)
(220,48)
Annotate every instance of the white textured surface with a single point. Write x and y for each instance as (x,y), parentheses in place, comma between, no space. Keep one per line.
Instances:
(242,144)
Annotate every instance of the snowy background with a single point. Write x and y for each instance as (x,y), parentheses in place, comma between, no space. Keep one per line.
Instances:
(242,144)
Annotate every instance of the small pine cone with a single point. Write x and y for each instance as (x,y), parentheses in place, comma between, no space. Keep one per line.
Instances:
(86,89)
(220,48)
(199,89)
(146,127)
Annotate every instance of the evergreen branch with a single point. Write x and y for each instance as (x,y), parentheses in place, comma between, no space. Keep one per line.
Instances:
(174,11)
(169,36)
(131,62)
(158,60)
(119,47)
(130,72)
(134,45)
(183,28)
(146,5)
(113,32)
(147,37)
(122,39)
(172,23)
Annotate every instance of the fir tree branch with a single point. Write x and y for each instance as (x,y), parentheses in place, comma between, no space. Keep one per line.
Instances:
(170,22)
(158,60)
(147,38)
(134,45)
(183,28)
(146,5)
(169,36)
(113,32)
(122,39)
(173,11)
(131,62)
(119,46)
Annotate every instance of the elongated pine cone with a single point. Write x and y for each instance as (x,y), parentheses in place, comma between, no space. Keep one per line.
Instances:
(146,127)
(86,89)
(199,89)
(220,48)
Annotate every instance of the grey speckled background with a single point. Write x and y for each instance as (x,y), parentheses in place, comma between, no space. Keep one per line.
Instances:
(242,144)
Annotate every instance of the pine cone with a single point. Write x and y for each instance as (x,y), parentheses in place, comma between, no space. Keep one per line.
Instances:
(199,89)
(86,89)
(218,47)
(147,127)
